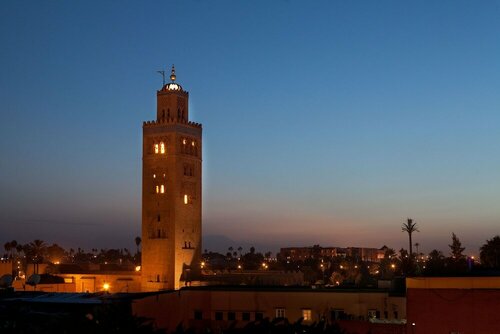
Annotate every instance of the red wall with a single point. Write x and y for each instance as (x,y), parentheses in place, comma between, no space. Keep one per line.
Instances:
(464,311)
(364,327)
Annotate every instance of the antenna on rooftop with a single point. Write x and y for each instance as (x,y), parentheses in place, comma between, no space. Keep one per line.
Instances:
(162,72)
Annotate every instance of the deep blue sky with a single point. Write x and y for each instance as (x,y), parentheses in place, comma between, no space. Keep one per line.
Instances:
(324,122)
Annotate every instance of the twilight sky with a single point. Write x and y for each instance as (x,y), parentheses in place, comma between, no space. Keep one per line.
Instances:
(324,122)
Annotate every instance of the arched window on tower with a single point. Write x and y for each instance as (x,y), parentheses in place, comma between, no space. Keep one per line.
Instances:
(162,189)
(162,147)
(157,148)
(178,113)
(183,147)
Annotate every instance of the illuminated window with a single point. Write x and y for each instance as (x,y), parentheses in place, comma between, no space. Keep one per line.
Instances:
(154,176)
(186,199)
(184,141)
(157,148)
(307,314)
(162,189)
(280,313)
(192,143)
(162,148)
(157,189)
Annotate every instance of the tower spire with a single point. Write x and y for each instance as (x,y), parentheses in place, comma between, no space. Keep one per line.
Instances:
(172,74)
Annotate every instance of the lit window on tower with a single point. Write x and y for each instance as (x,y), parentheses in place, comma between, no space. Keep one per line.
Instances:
(157,189)
(186,199)
(162,148)
(184,141)
(162,189)
(192,143)
(307,314)
(157,148)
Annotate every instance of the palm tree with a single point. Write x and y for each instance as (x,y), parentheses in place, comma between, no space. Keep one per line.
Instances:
(7,247)
(35,252)
(410,227)
(138,241)
(19,249)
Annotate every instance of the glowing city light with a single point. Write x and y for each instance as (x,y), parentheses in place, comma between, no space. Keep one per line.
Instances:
(105,286)
(138,268)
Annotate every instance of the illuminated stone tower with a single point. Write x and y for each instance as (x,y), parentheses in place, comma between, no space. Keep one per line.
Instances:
(171,192)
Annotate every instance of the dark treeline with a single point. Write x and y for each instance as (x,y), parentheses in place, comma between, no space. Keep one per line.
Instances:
(38,251)
(336,271)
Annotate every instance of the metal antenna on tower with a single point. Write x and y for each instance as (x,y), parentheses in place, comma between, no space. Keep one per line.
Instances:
(162,75)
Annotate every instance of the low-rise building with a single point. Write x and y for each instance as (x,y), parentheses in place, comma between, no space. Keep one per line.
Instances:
(219,307)
(304,253)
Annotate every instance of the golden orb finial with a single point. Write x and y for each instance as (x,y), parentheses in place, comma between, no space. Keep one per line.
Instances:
(172,74)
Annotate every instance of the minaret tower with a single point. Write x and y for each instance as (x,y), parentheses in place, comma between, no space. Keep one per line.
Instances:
(171,192)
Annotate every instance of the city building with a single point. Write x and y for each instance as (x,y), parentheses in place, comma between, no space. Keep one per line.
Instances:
(358,253)
(221,307)
(171,192)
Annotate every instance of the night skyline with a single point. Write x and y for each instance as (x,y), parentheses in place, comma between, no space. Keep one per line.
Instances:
(323,124)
